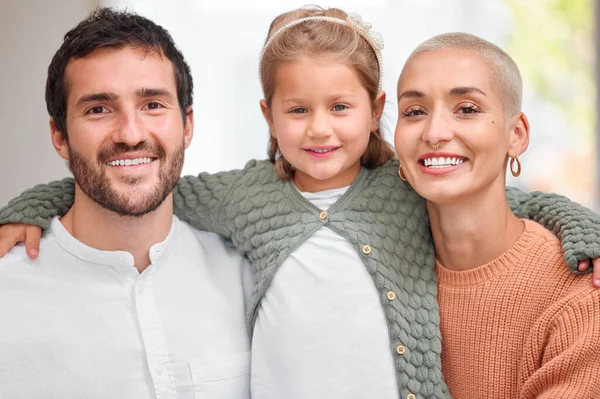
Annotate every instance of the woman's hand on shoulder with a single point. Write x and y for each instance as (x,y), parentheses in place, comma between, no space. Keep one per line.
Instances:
(585,264)
(13,233)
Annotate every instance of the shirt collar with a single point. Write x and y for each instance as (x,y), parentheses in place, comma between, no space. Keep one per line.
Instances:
(109,258)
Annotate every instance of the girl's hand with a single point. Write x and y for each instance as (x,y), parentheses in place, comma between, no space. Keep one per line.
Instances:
(583,266)
(11,234)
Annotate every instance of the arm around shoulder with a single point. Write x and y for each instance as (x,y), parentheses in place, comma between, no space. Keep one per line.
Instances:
(198,200)
(38,205)
(576,226)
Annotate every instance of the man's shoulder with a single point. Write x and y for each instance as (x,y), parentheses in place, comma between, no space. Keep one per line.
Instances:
(205,239)
(18,255)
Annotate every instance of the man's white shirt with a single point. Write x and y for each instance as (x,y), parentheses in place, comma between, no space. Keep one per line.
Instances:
(83,323)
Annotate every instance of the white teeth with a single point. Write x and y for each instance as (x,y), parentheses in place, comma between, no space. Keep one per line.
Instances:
(442,162)
(319,150)
(129,162)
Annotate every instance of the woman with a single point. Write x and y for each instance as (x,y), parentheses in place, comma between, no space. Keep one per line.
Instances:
(508,332)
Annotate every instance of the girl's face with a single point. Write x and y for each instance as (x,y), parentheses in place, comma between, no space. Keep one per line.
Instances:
(449,97)
(322,117)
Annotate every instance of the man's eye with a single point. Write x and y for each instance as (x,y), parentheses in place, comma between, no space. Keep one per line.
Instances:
(97,110)
(154,105)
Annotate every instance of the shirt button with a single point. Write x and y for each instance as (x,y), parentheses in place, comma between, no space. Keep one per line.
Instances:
(411,396)
(323,215)
(391,295)
(366,249)
(401,349)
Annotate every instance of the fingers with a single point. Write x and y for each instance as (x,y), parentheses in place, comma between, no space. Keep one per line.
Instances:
(583,265)
(10,235)
(33,235)
(596,272)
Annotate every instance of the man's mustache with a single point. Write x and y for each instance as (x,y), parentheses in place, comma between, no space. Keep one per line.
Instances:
(153,150)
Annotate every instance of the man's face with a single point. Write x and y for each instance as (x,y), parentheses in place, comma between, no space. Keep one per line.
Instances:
(126,136)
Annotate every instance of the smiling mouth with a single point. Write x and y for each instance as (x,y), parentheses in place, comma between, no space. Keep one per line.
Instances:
(131,162)
(442,162)
(320,150)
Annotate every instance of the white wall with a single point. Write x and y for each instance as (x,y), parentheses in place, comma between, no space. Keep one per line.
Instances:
(222,40)
(30,33)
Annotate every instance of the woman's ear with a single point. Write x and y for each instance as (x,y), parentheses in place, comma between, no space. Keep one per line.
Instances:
(378,106)
(519,135)
(268,115)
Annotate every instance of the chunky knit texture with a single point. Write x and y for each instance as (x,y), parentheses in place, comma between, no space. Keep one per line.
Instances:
(380,215)
(509,333)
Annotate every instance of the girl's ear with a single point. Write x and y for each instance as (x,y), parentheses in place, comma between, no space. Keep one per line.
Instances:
(59,141)
(266,111)
(378,106)
(519,135)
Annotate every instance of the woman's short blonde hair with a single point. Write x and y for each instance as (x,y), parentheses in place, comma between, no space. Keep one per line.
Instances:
(505,71)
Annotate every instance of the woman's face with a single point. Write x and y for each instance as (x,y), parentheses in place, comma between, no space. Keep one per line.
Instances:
(449,98)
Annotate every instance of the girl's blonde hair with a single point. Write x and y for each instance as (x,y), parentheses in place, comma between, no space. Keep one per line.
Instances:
(319,38)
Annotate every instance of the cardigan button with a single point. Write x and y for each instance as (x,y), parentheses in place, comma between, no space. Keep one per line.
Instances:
(323,215)
(401,349)
(411,396)
(366,249)
(391,295)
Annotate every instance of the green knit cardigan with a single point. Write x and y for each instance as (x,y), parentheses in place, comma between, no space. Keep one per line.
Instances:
(380,215)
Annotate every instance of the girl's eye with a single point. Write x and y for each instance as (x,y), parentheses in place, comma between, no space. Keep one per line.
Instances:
(299,110)
(468,109)
(414,111)
(97,110)
(339,107)
(153,105)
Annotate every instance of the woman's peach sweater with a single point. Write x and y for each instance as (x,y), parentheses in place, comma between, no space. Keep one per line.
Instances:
(521,326)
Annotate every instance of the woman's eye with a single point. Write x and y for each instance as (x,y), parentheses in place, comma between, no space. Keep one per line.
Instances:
(414,112)
(299,110)
(339,107)
(469,109)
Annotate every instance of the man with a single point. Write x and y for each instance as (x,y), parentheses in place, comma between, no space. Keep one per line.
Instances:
(127,301)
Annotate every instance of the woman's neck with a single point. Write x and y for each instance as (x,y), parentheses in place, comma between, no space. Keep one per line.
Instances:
(473,231)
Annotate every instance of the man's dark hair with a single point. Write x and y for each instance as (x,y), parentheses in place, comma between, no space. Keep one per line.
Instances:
(106,28)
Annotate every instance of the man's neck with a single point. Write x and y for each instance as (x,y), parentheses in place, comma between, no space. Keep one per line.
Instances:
(105,230)
(475,230)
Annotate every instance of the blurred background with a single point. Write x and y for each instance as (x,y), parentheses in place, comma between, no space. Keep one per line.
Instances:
(552,41)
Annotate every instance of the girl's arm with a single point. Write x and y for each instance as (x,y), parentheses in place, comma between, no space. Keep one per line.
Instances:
(576,226)
(196,200)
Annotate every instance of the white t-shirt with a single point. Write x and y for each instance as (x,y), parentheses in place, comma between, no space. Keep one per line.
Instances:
(320,330)
(83,323)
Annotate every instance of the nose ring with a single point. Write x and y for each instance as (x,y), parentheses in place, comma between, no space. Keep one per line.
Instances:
(435,146)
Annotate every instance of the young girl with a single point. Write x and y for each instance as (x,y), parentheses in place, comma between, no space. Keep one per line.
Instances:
(344,303)
(548,342)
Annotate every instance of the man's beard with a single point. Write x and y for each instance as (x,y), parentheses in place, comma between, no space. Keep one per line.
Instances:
(94,183)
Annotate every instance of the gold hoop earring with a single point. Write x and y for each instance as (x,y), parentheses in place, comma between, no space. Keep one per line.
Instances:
(401,173)
(517,172)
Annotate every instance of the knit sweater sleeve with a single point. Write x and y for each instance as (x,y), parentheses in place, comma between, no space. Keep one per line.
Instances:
(38,205)
(196,200)
(576,226)
(561,356)
(199,200)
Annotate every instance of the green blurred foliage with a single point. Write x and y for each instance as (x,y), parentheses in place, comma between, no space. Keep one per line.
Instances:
(552,42)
